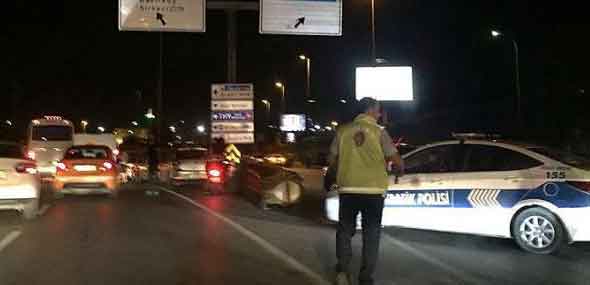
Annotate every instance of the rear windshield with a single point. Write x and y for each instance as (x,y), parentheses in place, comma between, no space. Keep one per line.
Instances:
(563,156)
(190,154)
(52,133)
(88,153)
(11,151)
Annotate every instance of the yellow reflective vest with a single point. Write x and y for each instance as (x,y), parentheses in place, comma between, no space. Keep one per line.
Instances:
(361,162)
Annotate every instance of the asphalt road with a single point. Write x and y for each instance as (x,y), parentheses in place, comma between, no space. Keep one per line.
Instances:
(187,236)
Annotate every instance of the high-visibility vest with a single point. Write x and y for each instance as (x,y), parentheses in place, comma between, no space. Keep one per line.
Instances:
(361,163)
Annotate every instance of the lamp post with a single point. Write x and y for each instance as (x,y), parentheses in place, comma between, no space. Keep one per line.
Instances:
(498,34)
(307,75)
(282,87)
(84,124)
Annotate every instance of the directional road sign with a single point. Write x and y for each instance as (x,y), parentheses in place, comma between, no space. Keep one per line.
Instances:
(232,127)
(232,116)
(237,138)
(232,113)
(233,105)
(301,17)
(232,91)
(162,15)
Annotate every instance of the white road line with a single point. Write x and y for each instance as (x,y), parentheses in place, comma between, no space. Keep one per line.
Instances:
(431,259)
(9,238)
(278,253)
(43,210)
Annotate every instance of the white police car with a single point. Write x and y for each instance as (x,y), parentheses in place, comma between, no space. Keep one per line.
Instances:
(536,195)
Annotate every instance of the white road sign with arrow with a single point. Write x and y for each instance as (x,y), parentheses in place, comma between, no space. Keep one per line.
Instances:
(301,17)
(162,15)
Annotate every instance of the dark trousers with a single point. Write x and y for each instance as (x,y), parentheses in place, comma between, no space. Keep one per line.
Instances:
(371,209)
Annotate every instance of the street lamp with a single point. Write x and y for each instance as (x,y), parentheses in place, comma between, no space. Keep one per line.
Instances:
(307,74)
(101,129)
(135,123)
(150,114)
(201,129)
(282,87)
(342,101)
(498,34)
(84,124)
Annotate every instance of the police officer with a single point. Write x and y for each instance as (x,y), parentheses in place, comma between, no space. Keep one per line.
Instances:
(361,151)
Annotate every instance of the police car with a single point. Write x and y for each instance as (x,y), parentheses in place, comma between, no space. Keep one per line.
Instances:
(536,195)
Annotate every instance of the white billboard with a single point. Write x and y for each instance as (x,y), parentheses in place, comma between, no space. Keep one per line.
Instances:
(385,83)
(293,123)
(301,17)
(162,15)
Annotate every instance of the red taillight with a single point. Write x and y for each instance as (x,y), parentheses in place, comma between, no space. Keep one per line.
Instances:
(29,168)
(215,172)
(584,186)
(61,166)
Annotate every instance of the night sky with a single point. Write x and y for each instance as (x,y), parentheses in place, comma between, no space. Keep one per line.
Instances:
(60,57)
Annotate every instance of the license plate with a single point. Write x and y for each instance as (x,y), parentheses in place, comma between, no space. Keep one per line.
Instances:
(85,168)
(3,174)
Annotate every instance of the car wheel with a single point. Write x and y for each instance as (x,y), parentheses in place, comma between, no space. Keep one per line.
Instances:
(31,209)
(538,231)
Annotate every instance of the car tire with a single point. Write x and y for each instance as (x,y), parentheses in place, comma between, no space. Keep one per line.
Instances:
(114,194)
(31,209)
(538,231)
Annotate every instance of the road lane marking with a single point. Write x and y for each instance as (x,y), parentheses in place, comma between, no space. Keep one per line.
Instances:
(9,238)
(278,253)
(431,259)
(43,210)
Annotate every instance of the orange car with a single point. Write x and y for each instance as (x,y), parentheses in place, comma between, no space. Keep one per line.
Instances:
(87,169)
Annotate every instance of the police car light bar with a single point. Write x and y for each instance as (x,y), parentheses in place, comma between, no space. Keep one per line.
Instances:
(481,136)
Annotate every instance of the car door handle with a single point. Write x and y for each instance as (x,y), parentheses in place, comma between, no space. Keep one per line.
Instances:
(513,178)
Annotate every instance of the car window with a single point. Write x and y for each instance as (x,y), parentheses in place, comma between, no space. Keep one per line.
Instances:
(191,154)
(88,153)
(493,158)
(438,159)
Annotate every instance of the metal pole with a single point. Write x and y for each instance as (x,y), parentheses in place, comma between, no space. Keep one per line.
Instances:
(160,91)
(373,37)
(232,48)
(517,74)
(283,103)
(308,73)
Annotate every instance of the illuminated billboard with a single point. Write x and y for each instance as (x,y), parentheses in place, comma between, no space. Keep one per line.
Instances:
(385,83)
(293,123)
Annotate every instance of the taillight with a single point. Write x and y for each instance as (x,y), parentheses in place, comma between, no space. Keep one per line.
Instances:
(61,166)
(27,167)
(584,186)
(214,171)
(31,155)
(107,165)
